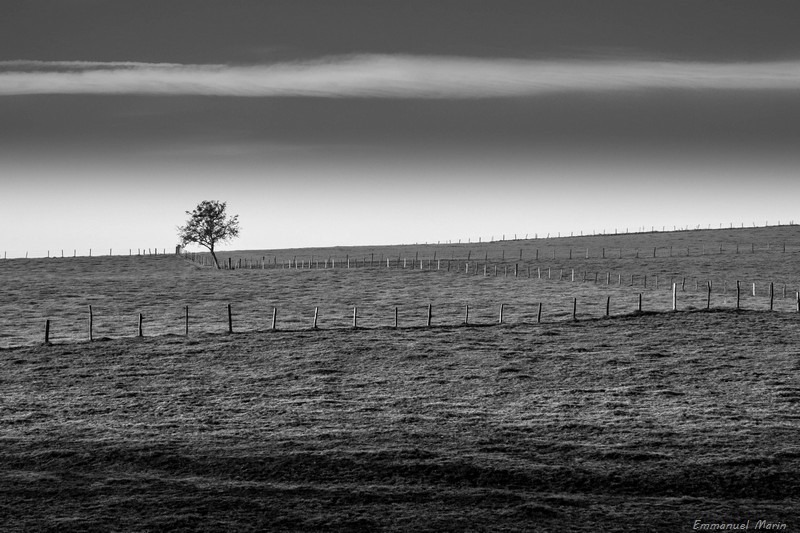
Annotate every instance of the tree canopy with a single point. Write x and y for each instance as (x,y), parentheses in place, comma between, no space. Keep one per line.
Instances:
(209,225)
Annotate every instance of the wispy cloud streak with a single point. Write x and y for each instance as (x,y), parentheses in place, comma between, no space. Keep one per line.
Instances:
(385,76)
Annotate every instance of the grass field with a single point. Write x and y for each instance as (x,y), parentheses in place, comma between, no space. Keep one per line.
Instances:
(119,288)
(637,422)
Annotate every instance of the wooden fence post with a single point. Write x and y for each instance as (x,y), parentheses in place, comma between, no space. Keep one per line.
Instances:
(737,295)
(355,317)
(230,319)
(186,308)
(754,288)
(640,302)
(429,315)
(274,318)
(466,315)
(708,301)
(771,295)
(91,324)
(608,305)
(395,317)
(47,331)
(501,313)
(574,309)
(539,314)
(316,313)
(141,319)
(674,296)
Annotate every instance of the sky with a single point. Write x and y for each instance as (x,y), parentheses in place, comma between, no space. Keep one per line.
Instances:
(327,123)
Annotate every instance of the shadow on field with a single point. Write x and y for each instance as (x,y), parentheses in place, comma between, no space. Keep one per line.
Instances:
(642,422)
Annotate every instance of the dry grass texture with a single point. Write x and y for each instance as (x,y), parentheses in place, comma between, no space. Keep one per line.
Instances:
(633,423)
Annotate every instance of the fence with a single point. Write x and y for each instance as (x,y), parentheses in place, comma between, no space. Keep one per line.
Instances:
(226,320)
(91,252)
(639,230)
(527,256)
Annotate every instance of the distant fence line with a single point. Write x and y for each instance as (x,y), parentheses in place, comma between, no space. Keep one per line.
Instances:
(393,320)
(93,252)
(486,269)
(401,261)
(480,240)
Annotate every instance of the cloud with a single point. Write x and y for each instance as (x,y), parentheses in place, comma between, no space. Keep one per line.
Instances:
(391,76)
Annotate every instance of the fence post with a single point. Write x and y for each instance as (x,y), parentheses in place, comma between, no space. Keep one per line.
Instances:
(274,317)
(91,321)
(771,295)
(141,333)
(754,288)
(640,302)
(230,319)
(501,313)
(737,295)
(466,315)
(186,308)
(395,317)
(316,313)
(674,296)
(355,317)
(429,315)
(574,309)
(47,331)
(708,301)
(608,305)
(539,314)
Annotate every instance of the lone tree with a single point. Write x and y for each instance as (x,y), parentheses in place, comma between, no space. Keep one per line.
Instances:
(209,225)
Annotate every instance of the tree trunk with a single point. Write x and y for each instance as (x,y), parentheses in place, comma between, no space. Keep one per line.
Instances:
(214,256)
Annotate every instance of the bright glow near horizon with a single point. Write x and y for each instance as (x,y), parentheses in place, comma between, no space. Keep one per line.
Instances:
(328,203)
